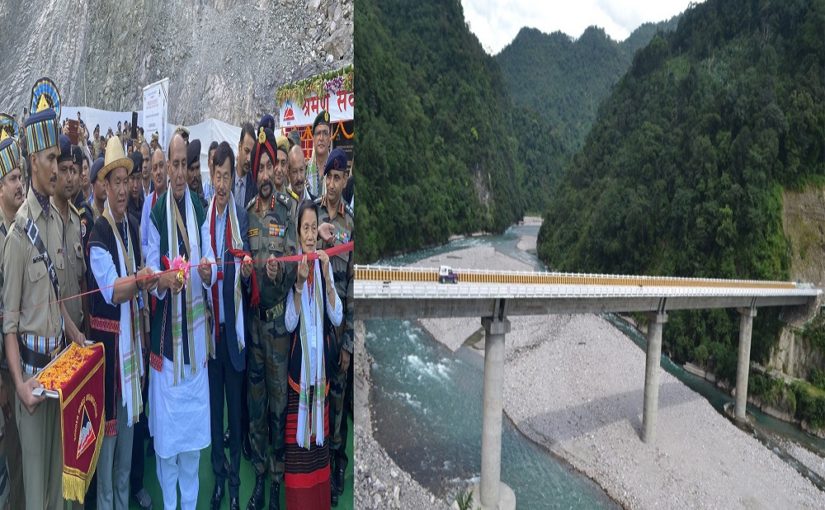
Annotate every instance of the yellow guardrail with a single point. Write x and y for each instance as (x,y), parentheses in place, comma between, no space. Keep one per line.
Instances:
(395,274)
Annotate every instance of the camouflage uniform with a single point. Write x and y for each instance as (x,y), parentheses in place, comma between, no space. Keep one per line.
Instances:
(271,232)
(342,271)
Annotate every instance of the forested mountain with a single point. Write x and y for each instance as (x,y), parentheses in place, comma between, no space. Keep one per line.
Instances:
(564,80)
(684,169)
(436,150)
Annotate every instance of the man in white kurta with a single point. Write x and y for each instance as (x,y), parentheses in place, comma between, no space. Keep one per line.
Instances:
(178,383)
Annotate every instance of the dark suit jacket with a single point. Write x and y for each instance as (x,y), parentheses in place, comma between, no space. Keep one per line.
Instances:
(230,272)
(250,189)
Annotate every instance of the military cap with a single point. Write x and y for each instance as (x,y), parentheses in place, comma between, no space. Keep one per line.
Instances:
(321,118)
(77,155)
(65,145)
(9,148)
(96,166)
(337,160)
(267,121)
(137,162)
(42,126)
(193,152)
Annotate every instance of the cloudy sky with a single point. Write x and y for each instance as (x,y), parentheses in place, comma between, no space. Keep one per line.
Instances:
(496,22)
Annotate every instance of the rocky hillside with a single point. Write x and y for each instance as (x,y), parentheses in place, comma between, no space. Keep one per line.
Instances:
(225,59)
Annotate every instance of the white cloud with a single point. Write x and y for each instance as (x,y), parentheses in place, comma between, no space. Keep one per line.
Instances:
(496,22)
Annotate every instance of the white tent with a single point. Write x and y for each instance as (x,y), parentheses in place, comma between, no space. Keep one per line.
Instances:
(207,131)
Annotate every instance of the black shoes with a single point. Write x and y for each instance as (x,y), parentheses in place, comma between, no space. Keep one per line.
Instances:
(143,499)
(217,496)
(234,504)
(256,502)
(275,496)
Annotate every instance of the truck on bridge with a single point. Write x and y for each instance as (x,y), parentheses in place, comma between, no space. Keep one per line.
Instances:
(446,275)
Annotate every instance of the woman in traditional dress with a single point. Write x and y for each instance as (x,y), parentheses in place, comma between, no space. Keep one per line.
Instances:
(312,309)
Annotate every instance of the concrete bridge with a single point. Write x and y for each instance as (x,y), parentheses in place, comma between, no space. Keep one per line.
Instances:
(402,292)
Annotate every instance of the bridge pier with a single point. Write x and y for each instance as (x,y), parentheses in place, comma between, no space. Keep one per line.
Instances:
(652,364)
(492,493)
(743,363)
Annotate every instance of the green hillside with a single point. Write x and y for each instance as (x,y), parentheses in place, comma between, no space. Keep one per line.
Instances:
(683,170)
(436,150)
(564,80)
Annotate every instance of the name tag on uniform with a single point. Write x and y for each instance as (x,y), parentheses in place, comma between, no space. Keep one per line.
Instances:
(253,232)
(276,230)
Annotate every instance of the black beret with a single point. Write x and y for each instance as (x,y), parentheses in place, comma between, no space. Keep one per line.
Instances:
(337,160)
(96,166)
(193,152)
(267,121)
(137,162)
(321,118)
(65,148)
(77,155)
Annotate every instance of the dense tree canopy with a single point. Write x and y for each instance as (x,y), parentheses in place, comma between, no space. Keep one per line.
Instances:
(683,170)
(436,148)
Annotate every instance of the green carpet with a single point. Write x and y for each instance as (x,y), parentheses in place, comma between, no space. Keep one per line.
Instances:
(207,481)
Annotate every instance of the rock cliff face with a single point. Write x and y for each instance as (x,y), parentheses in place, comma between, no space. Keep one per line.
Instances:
(803,221)
(225,59)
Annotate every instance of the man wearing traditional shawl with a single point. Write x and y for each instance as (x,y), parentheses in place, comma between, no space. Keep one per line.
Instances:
(228,225)
(178,382)
(115,255)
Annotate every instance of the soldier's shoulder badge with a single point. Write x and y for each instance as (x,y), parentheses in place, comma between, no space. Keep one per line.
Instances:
(283,199)
(83,227)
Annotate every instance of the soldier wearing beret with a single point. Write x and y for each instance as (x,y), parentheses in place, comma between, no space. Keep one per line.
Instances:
(333,210)
(321,146)
(34,332)
(72,275)
(272,233)
(87,219)
(99,189)
(193,162)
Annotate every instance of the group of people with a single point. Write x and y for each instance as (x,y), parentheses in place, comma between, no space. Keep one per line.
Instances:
(261,322)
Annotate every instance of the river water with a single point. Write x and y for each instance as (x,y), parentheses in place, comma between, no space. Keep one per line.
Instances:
(427,406)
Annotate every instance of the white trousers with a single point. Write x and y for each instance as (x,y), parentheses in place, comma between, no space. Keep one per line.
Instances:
(179,469)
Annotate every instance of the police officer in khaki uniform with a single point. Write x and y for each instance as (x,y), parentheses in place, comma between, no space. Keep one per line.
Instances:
(11,197)
(72,276)
(33,323)
(332,210)
(272,233)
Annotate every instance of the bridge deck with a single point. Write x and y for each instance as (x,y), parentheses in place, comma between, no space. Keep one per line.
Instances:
(415,292)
